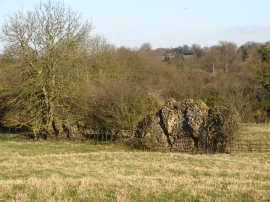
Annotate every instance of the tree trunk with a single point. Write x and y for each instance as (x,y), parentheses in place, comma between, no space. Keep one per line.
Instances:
(49,110)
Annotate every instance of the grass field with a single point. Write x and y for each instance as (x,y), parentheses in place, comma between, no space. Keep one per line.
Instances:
(254,132)
(64,171)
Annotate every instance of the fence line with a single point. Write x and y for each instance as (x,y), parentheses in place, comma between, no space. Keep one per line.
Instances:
(249,146)
(185,145)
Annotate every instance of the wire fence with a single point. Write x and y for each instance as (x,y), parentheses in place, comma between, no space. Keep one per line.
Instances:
(234,146)
(185,144)
(249,146)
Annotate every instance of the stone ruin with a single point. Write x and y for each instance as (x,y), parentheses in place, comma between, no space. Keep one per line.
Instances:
(189,125)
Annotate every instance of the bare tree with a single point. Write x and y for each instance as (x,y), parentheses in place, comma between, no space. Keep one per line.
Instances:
(228,54)
(46,49)
(146,47)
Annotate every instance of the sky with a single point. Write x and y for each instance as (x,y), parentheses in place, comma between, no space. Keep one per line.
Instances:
(166,24)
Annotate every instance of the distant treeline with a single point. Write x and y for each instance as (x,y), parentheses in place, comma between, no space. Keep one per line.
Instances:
(54,75)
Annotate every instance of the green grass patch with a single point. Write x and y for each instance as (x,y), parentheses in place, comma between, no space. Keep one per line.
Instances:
(10,137)
(246,197)
(32,148)
(254,132)
(176,195)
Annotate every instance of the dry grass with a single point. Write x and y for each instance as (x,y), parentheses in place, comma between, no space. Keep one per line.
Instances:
(255,132)
(59,171)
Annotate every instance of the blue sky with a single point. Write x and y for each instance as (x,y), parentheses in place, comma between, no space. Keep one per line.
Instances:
(167,23)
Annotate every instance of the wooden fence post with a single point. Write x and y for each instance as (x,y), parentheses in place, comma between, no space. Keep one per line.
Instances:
(248,146)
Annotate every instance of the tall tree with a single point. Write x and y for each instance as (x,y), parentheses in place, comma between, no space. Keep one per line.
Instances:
(146,47)
(264,73)
(46,49)
(228,55)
